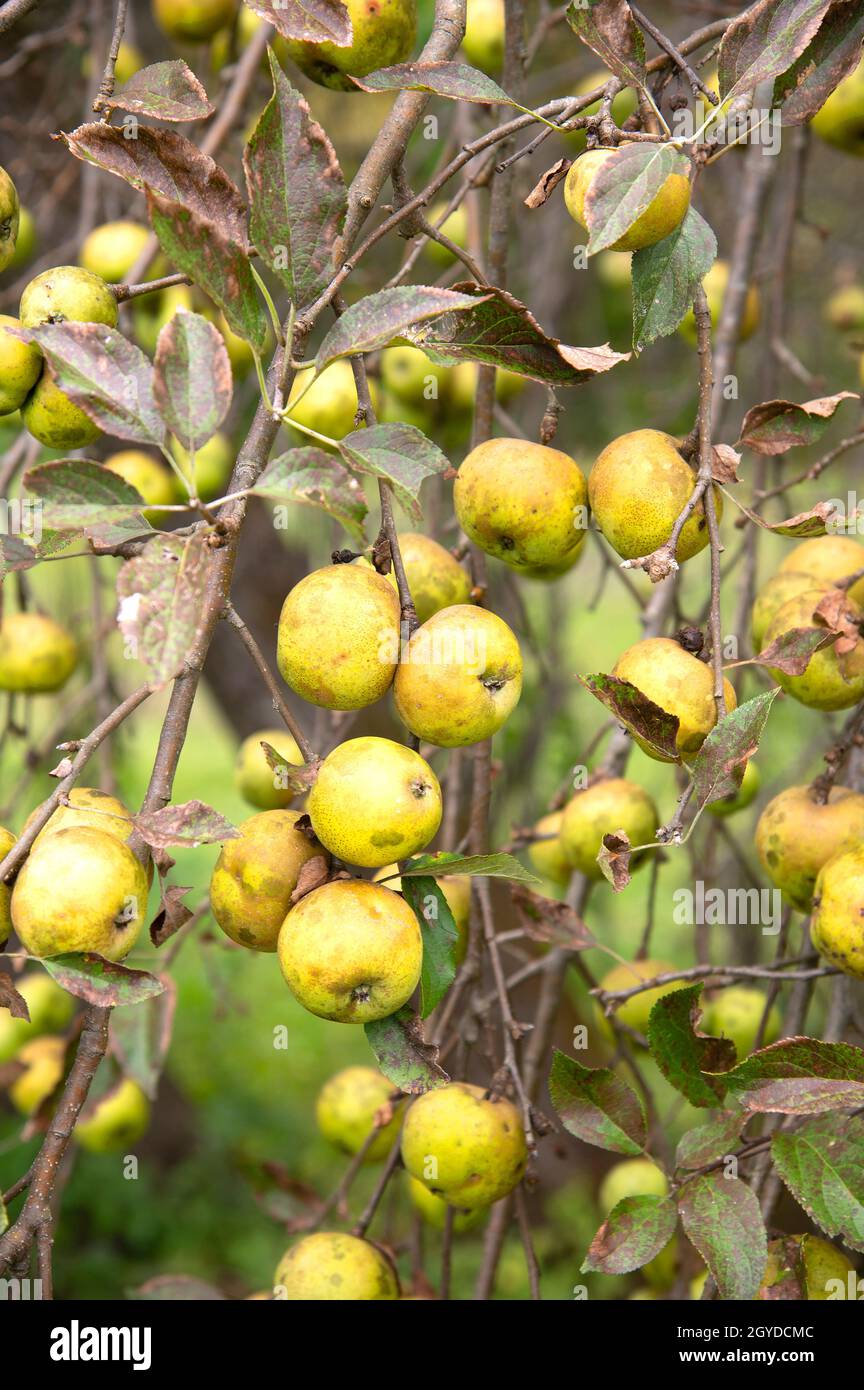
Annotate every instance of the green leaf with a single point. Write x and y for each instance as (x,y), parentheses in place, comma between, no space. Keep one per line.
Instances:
(192,379)
(822,1164)
(402,1053)
(632,1234)
(476,865)
(684,1055)
(315,478)
(722,1218)
(101,982)
(401,455)
(665,277)
(296,192)
(372,322)
(440,939)
(624,187)
(166,91)
(597,1106)
(500,332)
(799,1076)
(109,377)
(719,765)
(456,80)
(714,1139)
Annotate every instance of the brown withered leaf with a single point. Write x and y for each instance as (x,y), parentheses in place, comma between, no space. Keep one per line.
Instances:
(172,915)
(547,183)
(792,650)
(298,777)
(724,466)
(10,998)
(775,426)
(837,614)
(313,873)
(545,919)
(614,859)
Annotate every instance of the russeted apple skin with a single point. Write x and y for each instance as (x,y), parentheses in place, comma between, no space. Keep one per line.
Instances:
(830,682)
(435,578)
(460,677)
(680,684)
(837,924)
(346,1107)
(80,890)
(37,655)
(330,1266)
(603,809)
(255,779)
(524,503)
(255,875)
(338,641)
(797,835)
(829,559)
(384,33)
(638,488)
(662,216)
(464,1145)
(351,951)
(374,801)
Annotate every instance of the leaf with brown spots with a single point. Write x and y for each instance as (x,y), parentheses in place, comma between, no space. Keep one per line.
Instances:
(775,426)
(192,379)
(636,712)
(832,55)
(634,1232)
(597,1106)
(609,29)
(172,915)
(614,859)
(10,998)
(167,91)
(403,1054)
(719,765)
(763,40)
(311,21)
(190,823)
(547,183)
(544,919)
(458,81)
(101,982)
(724,464)
(792,651)
(683,1054)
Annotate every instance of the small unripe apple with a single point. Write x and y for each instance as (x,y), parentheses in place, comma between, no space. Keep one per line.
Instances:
(454,227)
(20,365)
(435,578)
(10,211)
(742,797)
(346,1109)
(213,464)
(828,559)
(351,951)
(637,489)
(374,801)
(37,655)
(44,1060)
(53,419)
(81,890)
(112,249)
(464,1145)
(844,310)
(329,401)
(736,1013)
(635,1011)
(840,121)
(330,1266)
(796,835)
(679,683)
(805,1268)
(50,1009)
(88,806)
(154,482)
(411,375)
(603,809)
(524,503)
(338,642)
(461,677)
(548,857)
(434,1209)
(634,1177)
(714,284)
(384,32)
(663,214)
(115,1120)
(259,783)
(483,44)
(837,924)
(829,682)
(193,21)
(256,874)
(67,294)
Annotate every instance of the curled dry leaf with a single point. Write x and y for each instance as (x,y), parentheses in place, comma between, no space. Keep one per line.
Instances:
(10,998)
(724,465)
(544,919)
(614,859)
(775,426)
(547,183)
(313,873)
(172,915)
